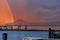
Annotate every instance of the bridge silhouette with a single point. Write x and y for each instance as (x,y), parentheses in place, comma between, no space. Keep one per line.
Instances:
(19,24)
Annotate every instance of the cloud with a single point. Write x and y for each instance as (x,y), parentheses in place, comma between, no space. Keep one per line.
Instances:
(43,11)
(49,10)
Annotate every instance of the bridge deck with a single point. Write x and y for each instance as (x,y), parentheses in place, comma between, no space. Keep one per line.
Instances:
(11,28)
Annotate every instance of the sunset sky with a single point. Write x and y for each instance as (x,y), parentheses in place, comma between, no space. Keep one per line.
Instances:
(34,11)
(5,13)
(42,11)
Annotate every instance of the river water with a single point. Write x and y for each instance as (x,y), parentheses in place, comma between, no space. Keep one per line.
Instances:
(18,35)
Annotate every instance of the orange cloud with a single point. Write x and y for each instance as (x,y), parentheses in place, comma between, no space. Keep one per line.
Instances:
(5,13)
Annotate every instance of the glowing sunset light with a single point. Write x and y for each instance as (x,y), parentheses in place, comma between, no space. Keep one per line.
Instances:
(5,13)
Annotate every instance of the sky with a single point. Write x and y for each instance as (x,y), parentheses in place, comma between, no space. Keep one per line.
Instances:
(5,13)
(33,11)
(42,11)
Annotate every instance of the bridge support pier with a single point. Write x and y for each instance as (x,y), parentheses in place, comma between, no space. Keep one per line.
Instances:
(25,27)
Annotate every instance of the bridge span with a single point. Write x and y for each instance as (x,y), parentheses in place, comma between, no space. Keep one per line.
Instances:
(18,26)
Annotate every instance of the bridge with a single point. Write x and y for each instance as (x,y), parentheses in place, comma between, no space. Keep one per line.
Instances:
(18,24)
